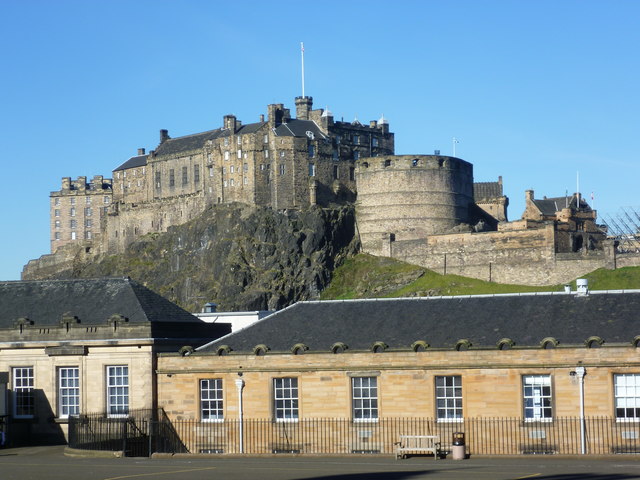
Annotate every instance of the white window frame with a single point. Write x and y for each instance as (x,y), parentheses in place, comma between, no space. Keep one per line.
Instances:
(286,399)
(449,398)
(117,390)
(626,392)
(68,391)
(22,385)
(211,400)
(364,399)
(537,398)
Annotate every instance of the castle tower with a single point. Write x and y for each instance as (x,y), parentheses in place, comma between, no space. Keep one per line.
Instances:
(303,107)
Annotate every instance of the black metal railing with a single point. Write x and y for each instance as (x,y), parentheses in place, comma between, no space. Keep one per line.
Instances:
(142,435)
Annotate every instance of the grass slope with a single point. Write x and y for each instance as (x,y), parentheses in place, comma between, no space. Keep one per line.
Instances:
(366,276)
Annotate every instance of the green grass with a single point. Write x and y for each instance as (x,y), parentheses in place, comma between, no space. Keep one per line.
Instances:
(365,276)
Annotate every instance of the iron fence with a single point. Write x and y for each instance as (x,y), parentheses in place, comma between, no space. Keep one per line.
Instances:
(142,435)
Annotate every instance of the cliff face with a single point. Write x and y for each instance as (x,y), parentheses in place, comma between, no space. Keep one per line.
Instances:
(240,257)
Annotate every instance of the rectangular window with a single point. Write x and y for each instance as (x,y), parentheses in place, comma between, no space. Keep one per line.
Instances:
(239,153)
(73,224)
(68,391)
(57,236)
(285,399)
(73,235)
(185,178)
(172,178)
(211,404)
(158,180)
(312,150)
(196,174)
(449,398)
(118,390)
(88,223)
(265,139)
(57,223)
(335,172)
(352,174)
(88,201)
(226,155)
(106,199)
(23,394)
(72,212)
(239,140)
(537,398)
(627,396)
(57,212)
(232,168)
(364,394)
(211,171)
(312,169)
(282,169)
(88,235)
(56,201)
(226,140)
(73,201)
(266,154)
(245,167)
(88,212)
(356,139)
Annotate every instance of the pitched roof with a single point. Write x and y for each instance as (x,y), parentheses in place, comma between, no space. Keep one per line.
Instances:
(91,300)
(133,162)
(526,319)
(187,143)
(484,190)
(549,206)
(299,128)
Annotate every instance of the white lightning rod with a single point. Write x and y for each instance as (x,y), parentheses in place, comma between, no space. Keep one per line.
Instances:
(302,56)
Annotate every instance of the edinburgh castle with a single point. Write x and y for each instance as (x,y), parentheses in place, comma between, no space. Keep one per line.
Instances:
(423,209)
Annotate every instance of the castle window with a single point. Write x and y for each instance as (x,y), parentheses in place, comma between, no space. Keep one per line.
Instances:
(56,201)
(232,168)
(415,162)
(226,141)
(88,235)
(211,403)
(57,223)
(356,139)
(88,212)
(352,174)
(57,212)
(211,171)
(239,153)
(239,140)
(312,169)
(374,142)
(245,167)
(73,201)
(87,223)
(57,236)
(335,172)
(265,139)
(226,155)
(185,178)
(387,163)
(536,396)
(266,154)
(364,398)
(282,169)
(356,155)
(232,182)
(196,174)
(72,212)
(285,399)
(73,224)
(172,178)
(449,398)
(312,150)
(208,157)
(158,180)
(106,199)
(246,180)
(627,396)
(23,393)
(225,183)
(88,202)
(281,153)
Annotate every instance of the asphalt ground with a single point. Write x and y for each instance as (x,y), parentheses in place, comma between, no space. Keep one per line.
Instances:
(50,463)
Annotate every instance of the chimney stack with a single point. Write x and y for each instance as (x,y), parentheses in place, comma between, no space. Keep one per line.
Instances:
(164,135)
(140,151)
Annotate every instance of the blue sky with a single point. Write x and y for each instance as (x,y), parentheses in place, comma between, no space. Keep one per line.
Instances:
(535,91)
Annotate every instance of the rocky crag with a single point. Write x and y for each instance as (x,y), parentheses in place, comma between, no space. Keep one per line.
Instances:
(238,256)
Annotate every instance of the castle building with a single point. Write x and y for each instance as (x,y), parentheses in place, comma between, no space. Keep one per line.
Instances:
(280,161)
(78,210)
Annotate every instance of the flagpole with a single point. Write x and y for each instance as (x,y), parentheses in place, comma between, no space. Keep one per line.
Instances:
(302,55)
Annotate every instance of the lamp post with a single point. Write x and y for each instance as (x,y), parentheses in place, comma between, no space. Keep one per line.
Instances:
(240,386)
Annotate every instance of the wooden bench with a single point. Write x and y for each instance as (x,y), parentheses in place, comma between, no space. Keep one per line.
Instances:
(418,444)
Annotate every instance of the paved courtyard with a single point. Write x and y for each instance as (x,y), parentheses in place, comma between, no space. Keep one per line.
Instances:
(50,463)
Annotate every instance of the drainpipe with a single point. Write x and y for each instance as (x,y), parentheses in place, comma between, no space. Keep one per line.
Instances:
(580,373)
(240,386)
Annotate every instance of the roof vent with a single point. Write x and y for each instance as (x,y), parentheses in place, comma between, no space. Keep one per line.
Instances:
(209,307)
(582,285)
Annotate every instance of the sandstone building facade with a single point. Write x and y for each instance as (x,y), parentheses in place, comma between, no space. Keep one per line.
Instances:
(442,364)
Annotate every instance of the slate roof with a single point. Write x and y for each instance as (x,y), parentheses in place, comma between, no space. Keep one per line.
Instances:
(549,206)
(482,190)
(93,301)
(526,319)
(133,162)
(299,128)
(189,142)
